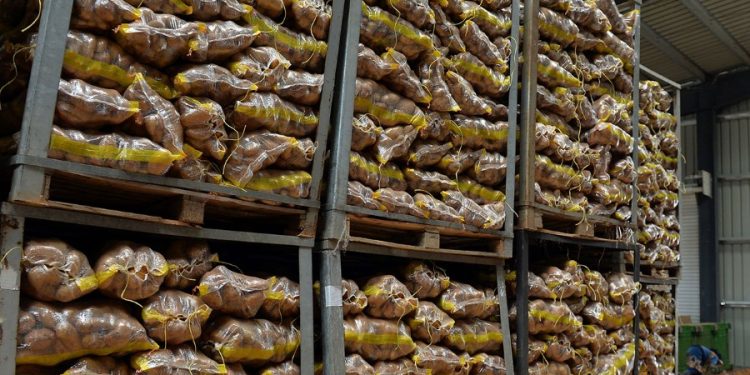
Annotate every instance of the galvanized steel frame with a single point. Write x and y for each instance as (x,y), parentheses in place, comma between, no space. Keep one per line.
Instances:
(332,241)
(31,163)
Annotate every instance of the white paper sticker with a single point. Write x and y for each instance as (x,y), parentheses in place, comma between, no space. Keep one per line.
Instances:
(332,296)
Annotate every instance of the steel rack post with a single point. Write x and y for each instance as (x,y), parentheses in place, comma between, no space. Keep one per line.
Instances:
(528,113)
(11,238)
(635,121)
(28,181)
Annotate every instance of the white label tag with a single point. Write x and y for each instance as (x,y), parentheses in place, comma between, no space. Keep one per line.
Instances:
(332,296)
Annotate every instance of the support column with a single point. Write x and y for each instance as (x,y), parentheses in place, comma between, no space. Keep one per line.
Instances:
(708,244)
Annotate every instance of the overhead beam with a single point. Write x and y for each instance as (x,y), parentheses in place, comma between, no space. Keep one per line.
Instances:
(672,52)
(700,12)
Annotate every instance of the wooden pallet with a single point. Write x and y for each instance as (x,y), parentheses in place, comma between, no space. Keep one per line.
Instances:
(574,224)
(659,270)
(368,234)
(167,205)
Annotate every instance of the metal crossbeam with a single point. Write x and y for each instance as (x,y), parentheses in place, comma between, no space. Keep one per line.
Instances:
(672,52)
(700,12)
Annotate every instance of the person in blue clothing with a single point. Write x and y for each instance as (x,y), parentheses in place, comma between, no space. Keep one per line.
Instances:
(702,360)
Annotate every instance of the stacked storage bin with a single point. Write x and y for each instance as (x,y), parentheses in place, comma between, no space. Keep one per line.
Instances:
(579,321)
(430,130)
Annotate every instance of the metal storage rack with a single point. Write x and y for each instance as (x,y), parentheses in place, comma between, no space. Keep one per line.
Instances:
(33,172)
(334,238)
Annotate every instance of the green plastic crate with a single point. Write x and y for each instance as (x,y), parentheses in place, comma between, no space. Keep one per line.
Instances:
(710,335)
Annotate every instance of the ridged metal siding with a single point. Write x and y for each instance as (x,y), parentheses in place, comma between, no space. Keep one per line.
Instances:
(733,216)
(688,290)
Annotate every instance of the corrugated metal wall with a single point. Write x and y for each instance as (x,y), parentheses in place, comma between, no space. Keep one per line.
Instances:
(733,216)
(688,290)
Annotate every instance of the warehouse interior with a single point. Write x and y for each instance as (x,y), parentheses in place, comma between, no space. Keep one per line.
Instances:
(374,187)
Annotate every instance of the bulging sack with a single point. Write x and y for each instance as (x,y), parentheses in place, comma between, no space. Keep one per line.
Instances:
(232,293)
(84,106)
(551,318)
(267,110)
(463,301)
(282,299)
(188,260)
(385,107)
(397,201)
(312,16)
(380,29)
(403,80)
(220,40)
(264,66)
(55,271)
(102,15)
(439,360)
(435,209)
(388,298)
(214,82)
(253,342)
(253,152)
(130,271)
(424,281)
(180,360)
(95,366)
(377,339)
(157,117)
(174,317)
(356,365)
(203,121)
(375,175)
(49,333)
(430,324)
(474,336)
(300,87)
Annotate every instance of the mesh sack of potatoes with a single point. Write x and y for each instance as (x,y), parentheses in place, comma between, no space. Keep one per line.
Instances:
(49,333)
(458,161)
(402,366)
(468,101)
(130,271)
(478,133)
(354,300)
(207,10)
(180,7)
(428,181)
(472,212)
(463,301)
(364,132)
(213,82)
(439,360)
(55,271)
(375,175)
(611,192)
(282,299)
(182,359)
(294,184)
(537,287)
(576,270)
(232,293)
(194,167)
(593,337)
(551,318)
(388,298)
(263,66)
(549,368)
(252,152)
(102,15)
(158,118)
(131,154)
(485,81)
(608,316)
(380,29)
(583,362)
(84,106)
(313,16)
(559,348)
(557,28)
(253,342)
(618,363)
(559,101)
(429,323)
(377,339)
(432,74)
(474,336)
(397,201)
(385,107)
(588,15)
(95,366)
(286,368)
(267,110)
(300,87)
(447,32)
(597,287)
(301,50)
(556,176)
(402,79)
(158,39)
(174,317)
(551,74)
(424,281)
(394,143)
(489,169)
(436,127)
(427,153)
(493,23)
(486,364)
(203,121)
(356,365)
(220,40)
(480,45)
(536,347)
(622,288)
(360,195)
(560,282)
(607,134)
(103,63)
(432,208)
(372,66)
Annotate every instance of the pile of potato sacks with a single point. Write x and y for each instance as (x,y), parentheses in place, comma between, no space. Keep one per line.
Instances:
(421,323)
(658,226)
(657,333)
(222,91)
(136,310)
(430,130)
(584,101)
(579,321)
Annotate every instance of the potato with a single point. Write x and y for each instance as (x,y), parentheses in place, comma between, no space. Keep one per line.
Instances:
(485,81)
(380,29)
(364,133)
(493,23)
(203,121)
(427,153)
(557,28)
(165,6)
(282,299)
(232,293)
(300,87)
(372,66)
(253,342)
(620,49)
(435,209)
(264,66)
(102,15)
(213,82)
(474,336)
(403,80)
(157,115)
(480,45)
(385,107)
(267,110)
(130,271)
(436,127)
(549,368)
(208,10)
(401,366)
(182,359)
(221,40)
(439,360)
(375,175)
(302,51)
(388,298)
(621,288)
(395,344)
(299,156)
(55,271)
(430,324)
(560,282)
(157,39)
(356,365)
(98,365)
(253,152)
